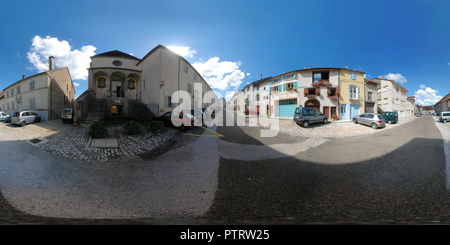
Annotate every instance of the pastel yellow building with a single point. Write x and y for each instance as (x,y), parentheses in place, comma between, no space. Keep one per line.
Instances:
(352,96)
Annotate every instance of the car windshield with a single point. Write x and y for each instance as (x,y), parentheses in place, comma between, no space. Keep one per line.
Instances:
(16,114)
(380,117)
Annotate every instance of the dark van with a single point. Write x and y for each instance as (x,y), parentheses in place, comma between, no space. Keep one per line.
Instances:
(304,116)
(390,116)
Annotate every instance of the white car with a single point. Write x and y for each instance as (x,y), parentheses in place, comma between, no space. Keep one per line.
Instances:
(3,116)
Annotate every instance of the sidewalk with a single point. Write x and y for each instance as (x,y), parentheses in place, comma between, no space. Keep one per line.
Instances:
(333,129)
(72,142)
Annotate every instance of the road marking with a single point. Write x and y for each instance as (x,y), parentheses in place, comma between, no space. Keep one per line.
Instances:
(215,133)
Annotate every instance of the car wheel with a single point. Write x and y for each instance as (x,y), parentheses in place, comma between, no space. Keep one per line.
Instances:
(390,122)
(305,124)
(374,126)
(325,120)
(445,120)
(23,123)
(355,121)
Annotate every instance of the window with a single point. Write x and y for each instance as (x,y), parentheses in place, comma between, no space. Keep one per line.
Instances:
(369,96)
(12,92)
(32,104)
(7,95)
(290,85)
(257,97)
(7,105)
(18,89)
(195,77)
(353,76)
(32,85)
(67,88)
(12,106)
(354,92)
(168,101)
(117,63)
(321,77)
(397,100)
(396,89)
(275,88)
(185,68)
(189,88)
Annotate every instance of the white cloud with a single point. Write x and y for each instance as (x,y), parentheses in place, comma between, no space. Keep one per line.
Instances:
(396,77)
(220,74)
(76,60)
(426,96)
(76,84)
(230,95)
(183,51)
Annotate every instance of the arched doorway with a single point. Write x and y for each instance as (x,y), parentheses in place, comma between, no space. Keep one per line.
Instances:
(313,103)
(117,84)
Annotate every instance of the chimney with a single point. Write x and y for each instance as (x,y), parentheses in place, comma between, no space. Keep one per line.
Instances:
(382,77)
(309,67)
(260,76)
(51,63)
(23,76)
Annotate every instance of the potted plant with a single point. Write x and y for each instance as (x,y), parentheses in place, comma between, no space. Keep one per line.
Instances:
(305,94)
(290,88)
(326,84)
(311,96)
(333,117)
(317,93)
(334,98)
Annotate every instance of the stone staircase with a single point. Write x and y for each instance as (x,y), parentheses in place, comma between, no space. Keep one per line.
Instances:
(145,114)
(94,113)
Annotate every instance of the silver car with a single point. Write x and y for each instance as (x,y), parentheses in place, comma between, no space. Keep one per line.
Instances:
(24,117)
(3,116)
(370,119)
(444,116)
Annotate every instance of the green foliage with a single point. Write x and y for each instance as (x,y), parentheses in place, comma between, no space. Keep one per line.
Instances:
(97,130)
(132,128)
(155,126)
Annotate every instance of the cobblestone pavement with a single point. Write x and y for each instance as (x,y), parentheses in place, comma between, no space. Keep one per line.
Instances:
(331,129)
(71,141)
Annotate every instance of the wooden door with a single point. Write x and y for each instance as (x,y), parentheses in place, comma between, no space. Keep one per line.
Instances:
(326,111)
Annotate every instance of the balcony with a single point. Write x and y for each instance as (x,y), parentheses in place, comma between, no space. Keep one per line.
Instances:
(323,82)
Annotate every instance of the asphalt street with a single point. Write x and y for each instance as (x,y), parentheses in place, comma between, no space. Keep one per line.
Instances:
(396,176)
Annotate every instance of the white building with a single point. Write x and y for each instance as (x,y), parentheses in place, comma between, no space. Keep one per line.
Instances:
(391,96)
(124,81)
(46,93)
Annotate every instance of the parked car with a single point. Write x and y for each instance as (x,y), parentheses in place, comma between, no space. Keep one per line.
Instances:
(390,117)
(251,112)
(304,116)
(8,119)
(3,116)
(25,117)
(67,115)
(370,119)
(444,116)
(184,118)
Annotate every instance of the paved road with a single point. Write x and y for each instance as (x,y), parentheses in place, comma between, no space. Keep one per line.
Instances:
(391,176)
(394,176)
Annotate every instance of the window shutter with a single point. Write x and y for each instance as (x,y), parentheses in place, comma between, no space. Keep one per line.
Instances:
(284,87)
(279,88)
(167,104)
(305,91)
(270,89)
(293,75)
(284,78)
(271,84)
(295,85)
(349,91)
(328,91)
(357,92)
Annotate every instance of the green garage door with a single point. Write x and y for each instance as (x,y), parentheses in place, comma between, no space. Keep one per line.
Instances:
(286,108)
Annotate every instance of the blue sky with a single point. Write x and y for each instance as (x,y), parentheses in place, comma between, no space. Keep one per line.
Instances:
(232,42)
